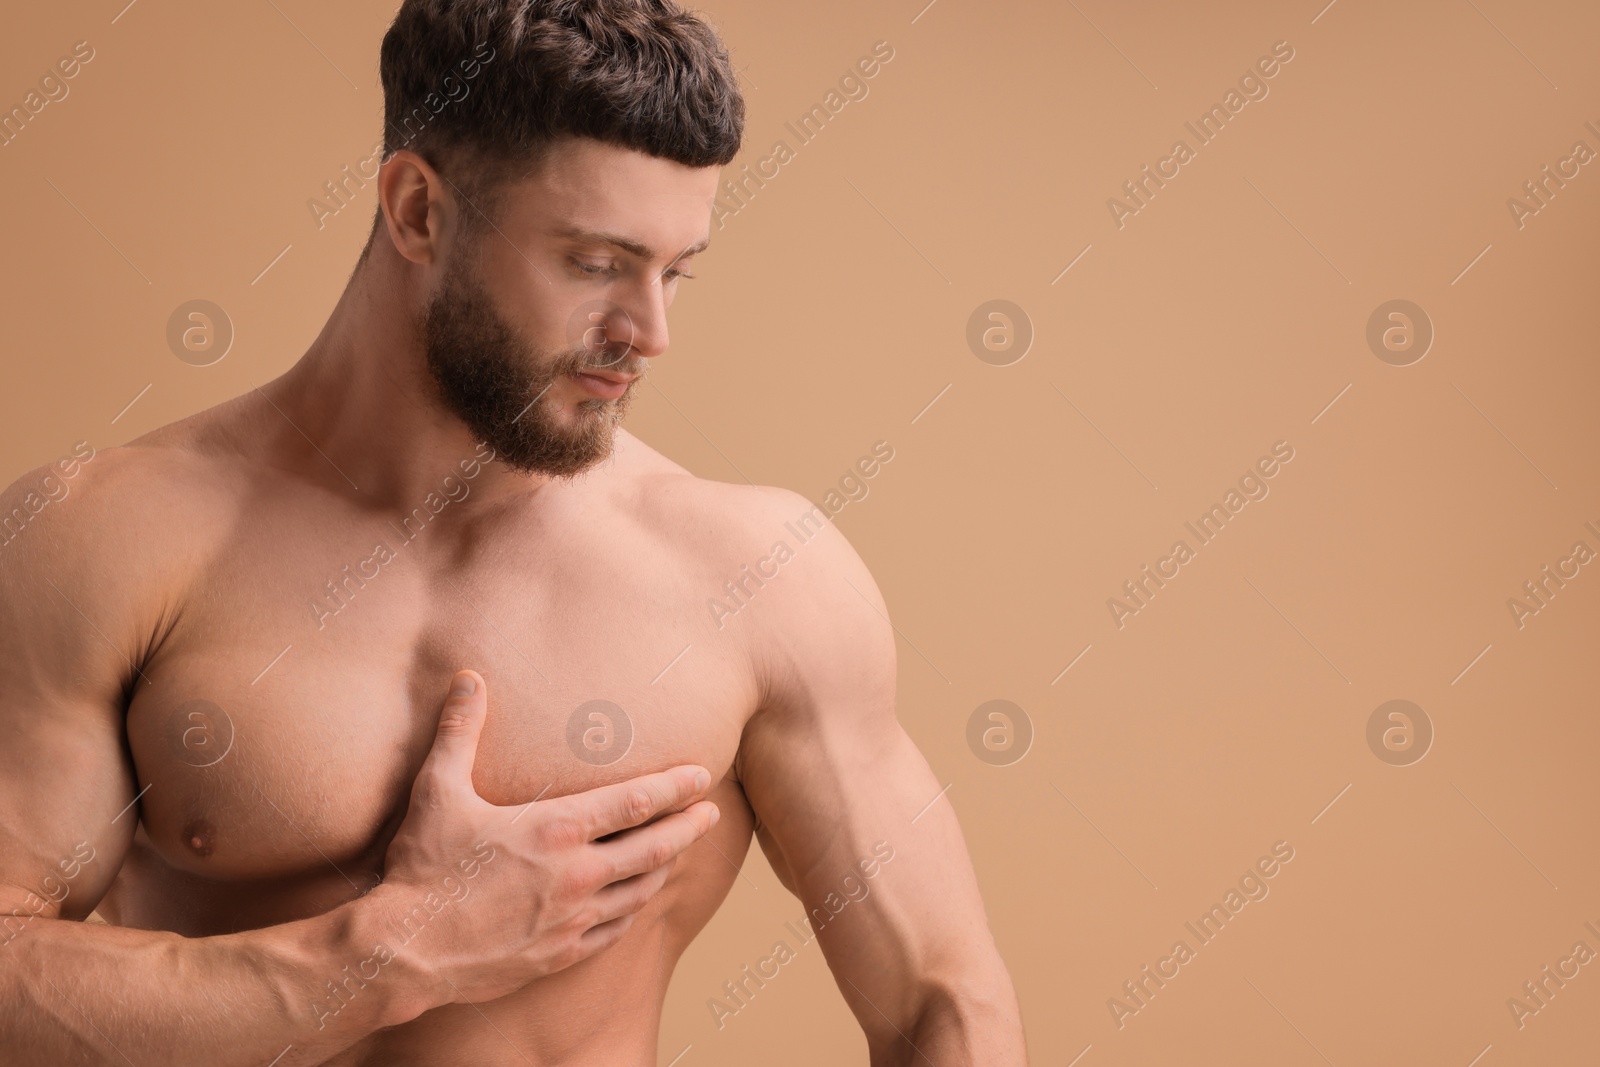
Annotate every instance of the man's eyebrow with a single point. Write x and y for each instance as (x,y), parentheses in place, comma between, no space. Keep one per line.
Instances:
(627,244)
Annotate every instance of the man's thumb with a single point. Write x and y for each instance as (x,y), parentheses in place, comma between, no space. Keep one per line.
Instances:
(460,724)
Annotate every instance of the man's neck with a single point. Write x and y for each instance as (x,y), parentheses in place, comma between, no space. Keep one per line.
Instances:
(362,394)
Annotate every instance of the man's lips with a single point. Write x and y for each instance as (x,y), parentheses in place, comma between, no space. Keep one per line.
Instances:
(610,376)
(604,383)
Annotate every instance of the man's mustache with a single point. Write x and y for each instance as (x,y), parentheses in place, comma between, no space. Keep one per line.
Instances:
(612,362)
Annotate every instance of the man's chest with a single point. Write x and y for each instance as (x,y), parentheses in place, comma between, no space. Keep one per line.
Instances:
(280,721)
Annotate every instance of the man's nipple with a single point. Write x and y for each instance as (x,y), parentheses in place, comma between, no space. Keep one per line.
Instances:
(200,837)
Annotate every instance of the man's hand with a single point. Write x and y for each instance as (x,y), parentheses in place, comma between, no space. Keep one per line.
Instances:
(531,889)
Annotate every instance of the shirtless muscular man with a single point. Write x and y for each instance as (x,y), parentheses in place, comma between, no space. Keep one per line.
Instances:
(315,836)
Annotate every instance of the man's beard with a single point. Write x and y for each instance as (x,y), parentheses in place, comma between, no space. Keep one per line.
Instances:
(494,381)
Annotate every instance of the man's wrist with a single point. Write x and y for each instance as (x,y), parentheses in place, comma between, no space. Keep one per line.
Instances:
(402,989)
(343,970)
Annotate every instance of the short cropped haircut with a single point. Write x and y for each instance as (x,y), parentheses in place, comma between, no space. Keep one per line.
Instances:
(480,88)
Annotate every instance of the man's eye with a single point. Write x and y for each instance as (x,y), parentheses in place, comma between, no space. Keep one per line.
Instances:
(670,274)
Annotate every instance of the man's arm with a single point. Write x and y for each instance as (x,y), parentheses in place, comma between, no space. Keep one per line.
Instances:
(81,587)
(835,784)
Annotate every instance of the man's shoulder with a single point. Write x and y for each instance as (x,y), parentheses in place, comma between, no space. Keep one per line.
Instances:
(105,510)
(713,520)
(810,596)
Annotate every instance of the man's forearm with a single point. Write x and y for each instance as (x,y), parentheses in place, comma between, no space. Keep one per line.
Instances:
(89,993)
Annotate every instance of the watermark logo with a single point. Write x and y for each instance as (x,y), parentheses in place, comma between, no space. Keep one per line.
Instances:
(738,993)
(599,732)
(1542,189)
(999,333)
(1399,733)
(341,990)
(341,193)
(1399,332)
(1207,127)
(53,89)
(1139,591)
(603,329)
(999,733)
(53,890)
(1540,990)
(54,487)
(738,192)
(200,733)
(199,333)
(852,486)
(1537,592)
(1252,887)
(340,593)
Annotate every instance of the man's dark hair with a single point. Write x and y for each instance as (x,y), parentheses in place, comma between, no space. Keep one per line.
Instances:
(479,88)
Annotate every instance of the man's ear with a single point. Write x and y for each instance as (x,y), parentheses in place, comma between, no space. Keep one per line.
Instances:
(417,206)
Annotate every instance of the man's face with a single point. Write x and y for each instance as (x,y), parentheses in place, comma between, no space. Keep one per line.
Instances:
(542,324)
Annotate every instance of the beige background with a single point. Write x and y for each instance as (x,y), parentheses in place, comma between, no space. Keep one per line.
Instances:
(1224,317)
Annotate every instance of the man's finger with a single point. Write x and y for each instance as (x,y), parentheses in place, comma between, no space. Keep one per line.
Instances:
(645,849)
(604,935)
(460,725)
(628,896)
(611,808)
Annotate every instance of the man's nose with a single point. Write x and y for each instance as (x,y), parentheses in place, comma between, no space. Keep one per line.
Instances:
(647,312)
(625,326)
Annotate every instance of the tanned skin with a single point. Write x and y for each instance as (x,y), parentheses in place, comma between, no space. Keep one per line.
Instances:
(370,873)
